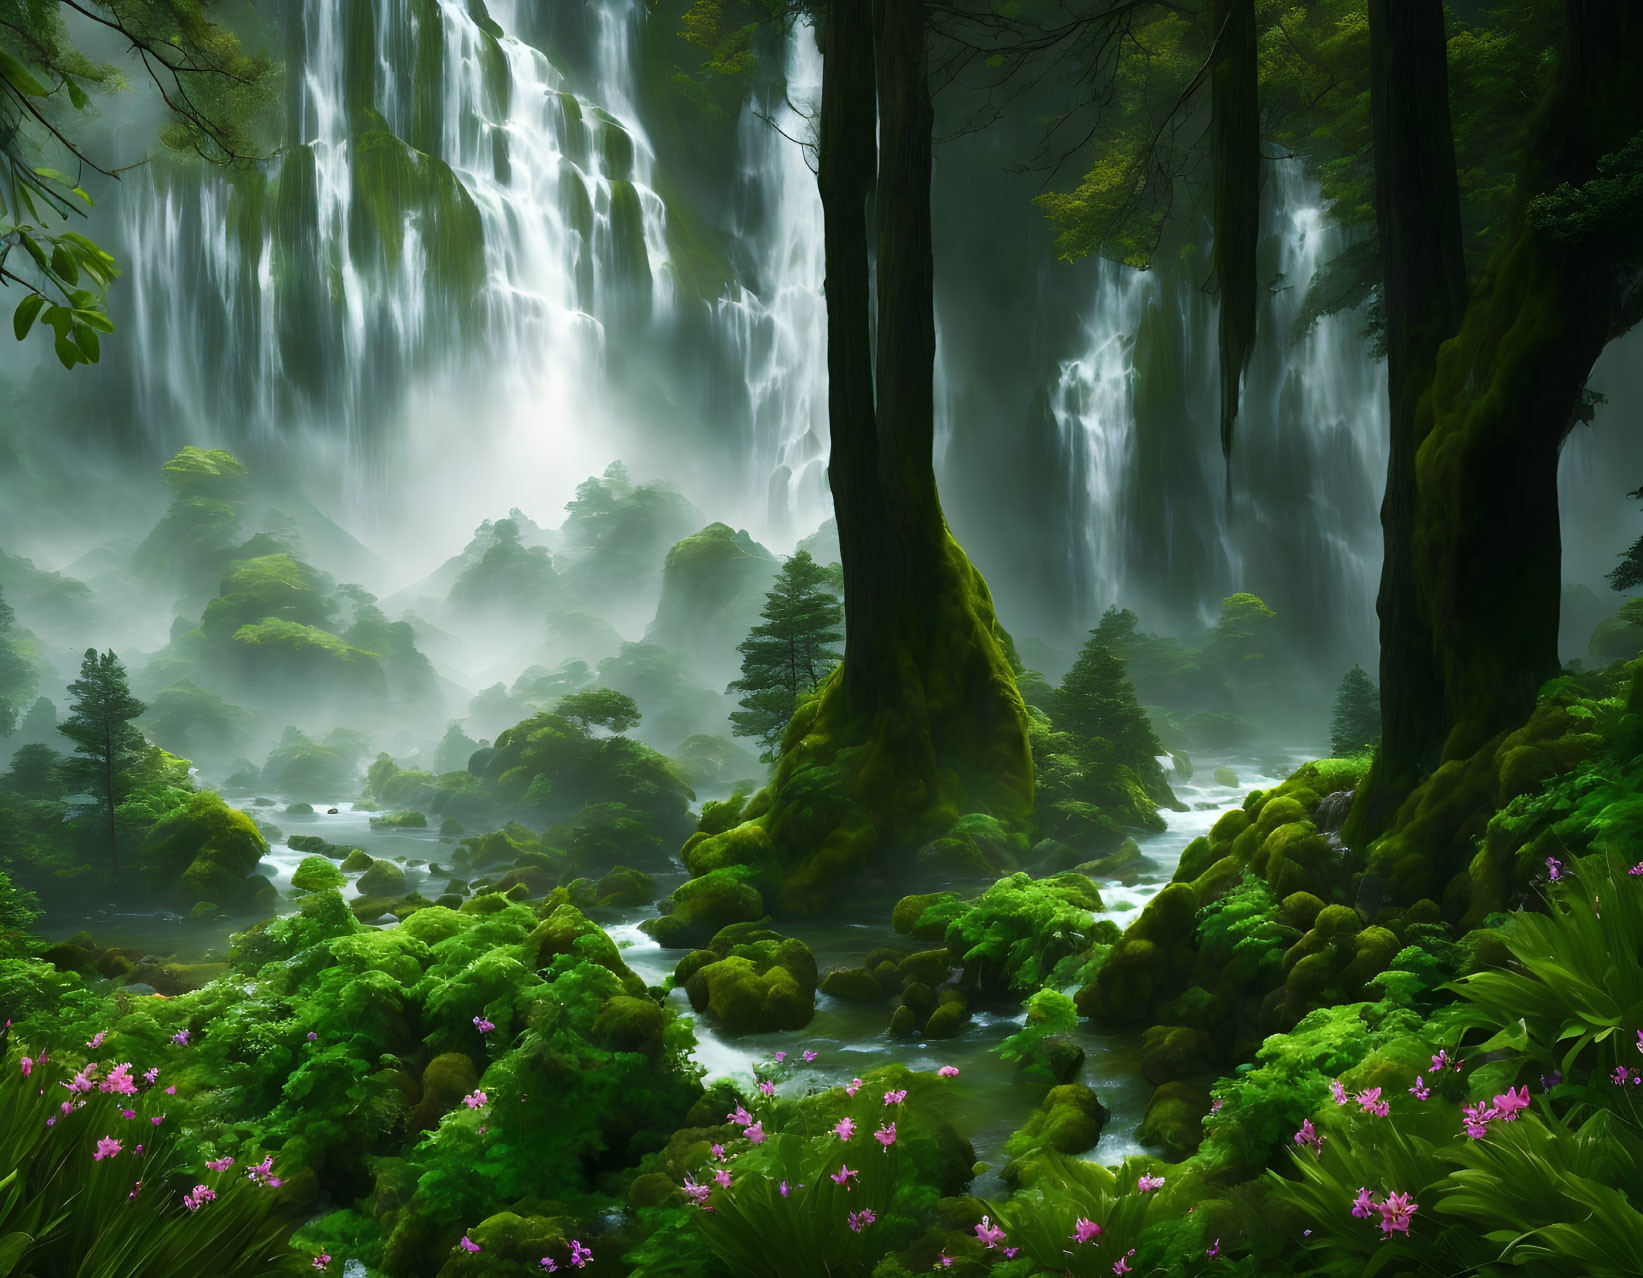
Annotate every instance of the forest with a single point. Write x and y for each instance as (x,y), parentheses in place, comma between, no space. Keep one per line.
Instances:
(821,638)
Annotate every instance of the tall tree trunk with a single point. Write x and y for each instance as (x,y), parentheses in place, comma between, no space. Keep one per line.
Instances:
(1235,159)
(1417,217)
(1486,545)
(108,795)
(923,722)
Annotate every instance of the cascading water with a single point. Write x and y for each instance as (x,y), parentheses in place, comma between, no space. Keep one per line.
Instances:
(1137,407)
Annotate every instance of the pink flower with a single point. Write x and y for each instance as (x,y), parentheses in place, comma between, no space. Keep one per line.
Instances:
(313,1037)
(718,1152)
(172,1090)
(859,1220)
(809,1056)
(1420,1091)
(579,1255)
(85,1080)
(322,1260)
(947,1071)
(1122,1264)
(1639,1044)
(696,1193)
(943,1261)
(28,1066)
(783,1189)
(180,1038)
(484,1027)
(886,1136)
(1149,1183)
(157,1119)
(767,1089)
(723,1177)
(1309,1137)
(739,1116)
(202,1195)
(97,1039)
(107,1147)
(1636,869)
(1477,1118)
(855,1086)
(1508,1103)
(549,1264)
(138,1152)
(151,1075)
(989,1234)
(755,1133)
(1363,1204)
(1371,1103)
(128,1113)
(1395,1214)
(844,1176)
(1215,1105)
(845,1128)
(220,1164)
(68,1107)
(1441,1061)
(780,1057)
(468,1244)
(895,1097)
(1554,868)
(475,1099)
(1339,1092)
(1213,1251)
(1085,1230)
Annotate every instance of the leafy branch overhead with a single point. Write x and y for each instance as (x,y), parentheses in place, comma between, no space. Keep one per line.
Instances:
(218,97)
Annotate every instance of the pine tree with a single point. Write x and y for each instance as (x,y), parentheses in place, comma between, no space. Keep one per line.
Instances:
(788,656)
(1097,704)
(1357,721)
(16,679)
(107,744)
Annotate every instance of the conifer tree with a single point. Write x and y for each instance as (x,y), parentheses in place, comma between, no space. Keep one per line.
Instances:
(16,679)
(1097,704)
(106,743)
(1357,721)
(788,656)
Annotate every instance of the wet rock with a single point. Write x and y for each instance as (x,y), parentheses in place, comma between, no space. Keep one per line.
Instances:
(856,984)
(1174,1119)
(1170,1053)
(1226,776)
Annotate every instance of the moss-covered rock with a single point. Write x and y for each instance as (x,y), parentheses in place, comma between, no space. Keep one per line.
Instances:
(1174,1119)
(854,984)
(381,878)
(203,851)
(315,874)
(357,860)
(758,987)
(1170,1053)
(627,1024)
(1069,1121)
(623,887)
(699,908)
(1226,776)
(446,1079)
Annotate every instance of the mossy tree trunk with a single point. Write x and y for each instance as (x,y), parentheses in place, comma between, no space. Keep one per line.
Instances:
(1417,217)
(1487,547)
(1235,159)
(923,722)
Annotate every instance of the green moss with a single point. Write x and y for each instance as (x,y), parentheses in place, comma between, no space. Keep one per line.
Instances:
(394,186)
(630,260)
(203,850)
(315,874)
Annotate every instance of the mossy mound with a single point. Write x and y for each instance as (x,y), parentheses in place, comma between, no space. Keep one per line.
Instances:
(381,878)
(203,850)
(1069,1122)
(1174,1119)
(446,1079)
(401,820)
(315,874)
(757,980)
(702,906)
(854,790)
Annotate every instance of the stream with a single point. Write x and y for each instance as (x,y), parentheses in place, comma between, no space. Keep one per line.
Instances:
(993,1098)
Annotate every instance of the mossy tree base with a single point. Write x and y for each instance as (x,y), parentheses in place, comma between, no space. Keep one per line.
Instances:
(859,794)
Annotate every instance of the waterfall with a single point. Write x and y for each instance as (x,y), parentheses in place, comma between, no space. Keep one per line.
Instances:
(1136,409)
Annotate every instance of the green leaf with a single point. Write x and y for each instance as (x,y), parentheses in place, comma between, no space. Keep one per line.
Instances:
(17,75)
(34,249)
(89,345)
(54,175)
(64,266)
(67,352)
(28,310)
(12,1247)
(94,319)
(76,94)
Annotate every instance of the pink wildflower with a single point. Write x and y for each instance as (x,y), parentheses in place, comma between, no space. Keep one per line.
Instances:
(783,1189)
(85,1080)
(845,1128)
(1554,868)
(549,1264)
(739,1116)
(1339,1092)
(128,1113)
(809,1056)
(469,1245)
(1122,1264)
(1508,1103)
(1085,1230)
(475,1099)
(1395,1214)
(579,1255)
(947,1071)
(1309,1137)
(696,1193)
(1215,1105)
(861,1219)
(28,1066)
(313,1037)
(1363,1204)
(107,1147)
(895,1097)
(202,1195)
(220,1164)
(780,1057)
(322,1261)
(157,1119)
(1441,1061)
(180,1038)
(1420,1091)
(844,1175)
(989,1234)
(1370,1102)
(97,1039)
(1149,1183)
(718,1151)
(886,1136)
(1214,1250)
(484,1027)
(1636,870)
(855,1086)
(1477,1119)
(723,1177)
(68,1107)
(943,1261)
(151,1075)
(755,1133)
(767,1089)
